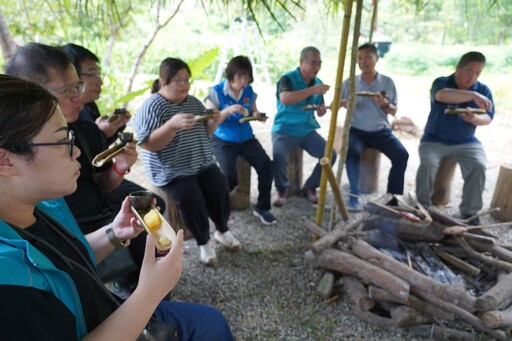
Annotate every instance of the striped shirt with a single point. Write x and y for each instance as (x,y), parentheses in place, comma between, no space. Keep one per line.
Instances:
(189,152)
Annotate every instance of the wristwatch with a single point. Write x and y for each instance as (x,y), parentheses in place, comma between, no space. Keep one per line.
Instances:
(113,239)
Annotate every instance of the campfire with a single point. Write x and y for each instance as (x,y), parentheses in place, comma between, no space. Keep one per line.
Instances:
(407,267)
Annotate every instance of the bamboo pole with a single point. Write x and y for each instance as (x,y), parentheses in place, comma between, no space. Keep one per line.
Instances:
(334,109)
(327,169)
(374,20)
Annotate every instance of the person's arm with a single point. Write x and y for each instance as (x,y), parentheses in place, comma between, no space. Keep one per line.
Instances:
(477,120)
(163,135)
(124,227)
(110,179)
(158,277)
(288,97)
(456,96)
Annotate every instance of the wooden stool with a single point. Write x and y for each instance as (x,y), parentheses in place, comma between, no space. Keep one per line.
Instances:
(172,213)
(241,195)
(443,183)
(369,168)
(502,197)
(295,172)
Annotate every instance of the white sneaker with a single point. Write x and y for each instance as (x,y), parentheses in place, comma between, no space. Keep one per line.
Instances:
(208,255)
(228,240)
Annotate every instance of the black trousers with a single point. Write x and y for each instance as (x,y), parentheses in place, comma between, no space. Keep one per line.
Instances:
(252,151)
(199,197)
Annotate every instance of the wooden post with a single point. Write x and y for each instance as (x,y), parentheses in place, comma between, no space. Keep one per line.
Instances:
(501,197)
(443,182)
(241,195)
(295,172)
(369,167)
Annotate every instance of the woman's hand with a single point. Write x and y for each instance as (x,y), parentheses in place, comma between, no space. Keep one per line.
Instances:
(126,225)
(183,121)
(159,275)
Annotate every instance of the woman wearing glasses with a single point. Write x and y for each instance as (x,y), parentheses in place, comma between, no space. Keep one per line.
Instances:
(48,281)
(178,157)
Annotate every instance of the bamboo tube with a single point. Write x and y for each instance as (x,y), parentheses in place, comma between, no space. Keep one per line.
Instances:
(457,262)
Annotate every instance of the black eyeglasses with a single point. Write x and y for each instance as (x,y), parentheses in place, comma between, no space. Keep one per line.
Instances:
(70,142)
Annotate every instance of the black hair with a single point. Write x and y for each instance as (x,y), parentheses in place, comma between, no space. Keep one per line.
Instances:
(169,67)
(78,55)
(34,60)
(470,57)
(25,107)
(240,65)
(369,46)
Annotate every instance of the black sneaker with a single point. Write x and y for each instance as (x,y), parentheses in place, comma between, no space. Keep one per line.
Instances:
(266,217)
(475,221)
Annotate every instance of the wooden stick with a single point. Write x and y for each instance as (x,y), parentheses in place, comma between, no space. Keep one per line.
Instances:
(457,262)
(406,215)
(428,218)
(337,233)
(489,211)
(488,260)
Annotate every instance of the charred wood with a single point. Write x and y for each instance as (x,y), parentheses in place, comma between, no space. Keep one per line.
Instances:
(348,264)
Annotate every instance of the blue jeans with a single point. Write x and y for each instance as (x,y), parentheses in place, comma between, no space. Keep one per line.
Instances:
(385,142)
(283,145)
(196,322)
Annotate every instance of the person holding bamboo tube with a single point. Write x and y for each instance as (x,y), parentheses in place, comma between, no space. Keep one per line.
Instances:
(300,93)
(376,98)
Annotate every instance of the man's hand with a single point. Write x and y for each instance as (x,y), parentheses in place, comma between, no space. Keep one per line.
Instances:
(319,89)
(482,101)
(321,110)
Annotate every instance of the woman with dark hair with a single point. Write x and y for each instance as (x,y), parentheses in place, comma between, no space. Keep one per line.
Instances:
(178,157)
(48,279)
(235,98)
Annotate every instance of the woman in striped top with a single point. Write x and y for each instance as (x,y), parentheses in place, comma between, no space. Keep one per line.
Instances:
(178,156)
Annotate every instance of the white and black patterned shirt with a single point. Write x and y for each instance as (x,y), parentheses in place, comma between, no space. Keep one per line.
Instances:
(189,152)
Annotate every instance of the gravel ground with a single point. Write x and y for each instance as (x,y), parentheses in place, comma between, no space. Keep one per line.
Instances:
(268,291)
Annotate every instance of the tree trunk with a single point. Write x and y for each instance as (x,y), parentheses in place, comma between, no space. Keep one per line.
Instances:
(6,42)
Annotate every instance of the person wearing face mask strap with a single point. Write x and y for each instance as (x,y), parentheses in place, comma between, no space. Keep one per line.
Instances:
(453,135)
(236,99)
(49,284)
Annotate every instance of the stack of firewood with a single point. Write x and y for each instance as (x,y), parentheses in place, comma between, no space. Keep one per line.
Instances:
(380,259)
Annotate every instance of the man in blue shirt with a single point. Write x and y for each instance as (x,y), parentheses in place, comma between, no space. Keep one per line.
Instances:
(453,135)
(295,127)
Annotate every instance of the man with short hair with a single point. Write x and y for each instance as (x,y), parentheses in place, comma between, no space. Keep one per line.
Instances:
(370,127)
(295,126)
(453,135)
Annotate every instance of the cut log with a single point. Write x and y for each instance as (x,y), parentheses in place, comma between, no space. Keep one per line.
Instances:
(358,293)
(435,332)
(501,197)
(493,249)
(498,318)
(443,182)
(380,294)
(462,314)
(348,264)
(339,231)
(405,316)
(325,285)
(505,266)
(500,292)
(406,230)
(373,319)
(314,228)
(416,279)
(295,172)
(457,262)
(241,195)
